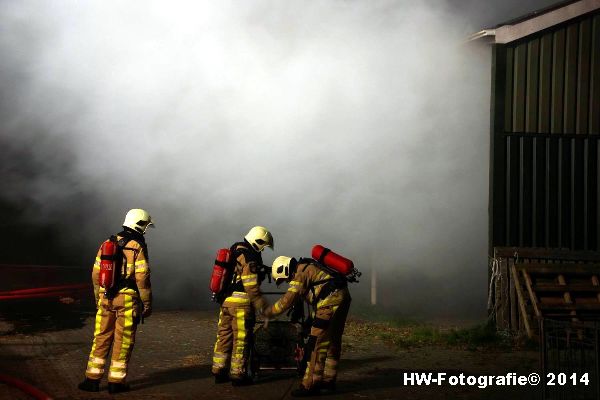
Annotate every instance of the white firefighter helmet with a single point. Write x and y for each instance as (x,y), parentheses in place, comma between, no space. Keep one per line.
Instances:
(281,268)
(138,220)
(259,238)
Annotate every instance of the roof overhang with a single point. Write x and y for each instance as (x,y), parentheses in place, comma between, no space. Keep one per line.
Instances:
(489,35)
(511,32)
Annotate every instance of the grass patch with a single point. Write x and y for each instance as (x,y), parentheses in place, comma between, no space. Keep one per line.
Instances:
(477,336)
(406,335)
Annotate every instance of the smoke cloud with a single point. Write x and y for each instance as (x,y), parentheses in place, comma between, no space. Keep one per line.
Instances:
(360,125)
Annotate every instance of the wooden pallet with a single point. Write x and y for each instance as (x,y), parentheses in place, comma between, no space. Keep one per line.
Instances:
(556,290)
(503,302)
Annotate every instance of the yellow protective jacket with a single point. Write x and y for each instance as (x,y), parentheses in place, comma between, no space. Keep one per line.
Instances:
(137,269)
(246,281)
(307,274)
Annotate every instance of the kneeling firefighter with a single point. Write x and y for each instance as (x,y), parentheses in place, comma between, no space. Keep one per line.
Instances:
(240,297)
(121,278)
(327,293)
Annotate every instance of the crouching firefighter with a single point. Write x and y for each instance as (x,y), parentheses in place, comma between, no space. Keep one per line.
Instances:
(239,299)
(327,294)
(121,278)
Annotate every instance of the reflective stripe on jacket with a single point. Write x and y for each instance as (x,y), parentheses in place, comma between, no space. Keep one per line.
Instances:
(137,269)
(248,262)
(307,274)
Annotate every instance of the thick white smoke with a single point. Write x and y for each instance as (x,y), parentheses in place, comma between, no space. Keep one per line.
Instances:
(360,125)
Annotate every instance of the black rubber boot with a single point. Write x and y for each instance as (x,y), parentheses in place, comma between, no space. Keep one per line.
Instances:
(90,385)
(117,387)
(303,392)
(222,377)
(245,381)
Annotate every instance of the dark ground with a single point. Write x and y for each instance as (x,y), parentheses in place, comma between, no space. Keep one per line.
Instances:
(173,354)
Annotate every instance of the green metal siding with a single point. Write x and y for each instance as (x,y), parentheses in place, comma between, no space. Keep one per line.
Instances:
(550,77)
(545,185)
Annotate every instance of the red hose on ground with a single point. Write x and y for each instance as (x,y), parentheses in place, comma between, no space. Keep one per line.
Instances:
(45,292)
(37,295)
(78,286)
(24,387)
(40,267)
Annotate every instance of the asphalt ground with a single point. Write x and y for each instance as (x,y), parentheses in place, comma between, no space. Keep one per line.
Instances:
(173,353)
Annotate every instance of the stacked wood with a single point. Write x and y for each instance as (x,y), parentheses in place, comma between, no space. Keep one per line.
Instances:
(514,309)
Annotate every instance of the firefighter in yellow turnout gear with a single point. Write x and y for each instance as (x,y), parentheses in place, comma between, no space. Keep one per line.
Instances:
(330,299)
(120,309)
(237,314)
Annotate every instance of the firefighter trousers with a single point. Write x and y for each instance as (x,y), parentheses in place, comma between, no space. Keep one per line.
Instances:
(325,341)
(115,326)
(234,338)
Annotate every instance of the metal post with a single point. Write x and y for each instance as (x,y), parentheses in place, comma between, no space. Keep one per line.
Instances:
(543,354)
(373,287)
(597,363)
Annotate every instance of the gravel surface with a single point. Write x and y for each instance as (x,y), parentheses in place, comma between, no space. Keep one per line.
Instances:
(173,354)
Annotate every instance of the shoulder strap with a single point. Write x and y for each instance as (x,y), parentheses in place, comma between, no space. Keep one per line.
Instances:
(127,236)
(230,286)
(306,260)
(240,248)
(312,285)
(331,284)
(120,280)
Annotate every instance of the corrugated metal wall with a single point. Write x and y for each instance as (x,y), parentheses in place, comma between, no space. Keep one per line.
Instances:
(545,186)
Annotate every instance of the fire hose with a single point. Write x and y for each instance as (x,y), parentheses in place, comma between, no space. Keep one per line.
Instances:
(44,292)
(32,293)
(24,387)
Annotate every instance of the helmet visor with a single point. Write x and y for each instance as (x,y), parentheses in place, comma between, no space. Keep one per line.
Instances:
(263,243)
(145,224)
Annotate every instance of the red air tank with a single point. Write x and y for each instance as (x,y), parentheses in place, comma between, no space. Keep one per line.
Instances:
(219,273)
(108,251)
(332,260)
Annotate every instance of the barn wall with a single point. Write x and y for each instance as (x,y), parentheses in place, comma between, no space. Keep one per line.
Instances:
(545,153)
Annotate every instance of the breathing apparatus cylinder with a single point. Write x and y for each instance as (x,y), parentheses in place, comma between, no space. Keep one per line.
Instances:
(332,260)
(108,263)
(219,272)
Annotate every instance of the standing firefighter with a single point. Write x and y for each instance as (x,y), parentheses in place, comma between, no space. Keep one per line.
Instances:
(121,278)
(327,293)
(240,298)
